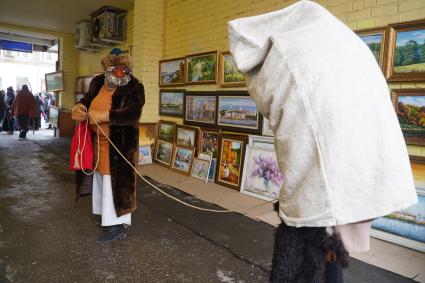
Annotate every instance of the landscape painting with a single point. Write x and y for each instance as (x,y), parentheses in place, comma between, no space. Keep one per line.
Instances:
(164,153)
(237,112)
(171,103)
(201,68)
(261,175)
(182,159)
(375,40)
(406,48)
(145,156)
(411,115)
(230,163)
(186,136)
(200,109)
(230,74)
(410,51)
(208,142)
(166,131)
(171,72)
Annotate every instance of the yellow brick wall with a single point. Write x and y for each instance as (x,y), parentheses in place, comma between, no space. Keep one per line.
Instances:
(89,63)
(68,61)
(148,28)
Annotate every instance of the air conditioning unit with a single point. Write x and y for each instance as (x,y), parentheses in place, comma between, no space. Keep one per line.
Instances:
(83,36)
(108,25)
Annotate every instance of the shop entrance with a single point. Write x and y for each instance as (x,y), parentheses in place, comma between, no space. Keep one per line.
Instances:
(24,60)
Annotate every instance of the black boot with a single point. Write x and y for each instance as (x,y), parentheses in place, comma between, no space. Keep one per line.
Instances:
(111,234)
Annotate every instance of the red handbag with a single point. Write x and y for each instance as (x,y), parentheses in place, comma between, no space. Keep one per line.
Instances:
(81,156)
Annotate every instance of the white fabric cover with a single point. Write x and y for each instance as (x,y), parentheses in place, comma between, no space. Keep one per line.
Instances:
(337,138)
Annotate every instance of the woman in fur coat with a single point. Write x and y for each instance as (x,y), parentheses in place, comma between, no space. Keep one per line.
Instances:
(114,101)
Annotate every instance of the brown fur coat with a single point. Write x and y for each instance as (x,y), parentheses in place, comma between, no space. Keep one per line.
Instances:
(127,104)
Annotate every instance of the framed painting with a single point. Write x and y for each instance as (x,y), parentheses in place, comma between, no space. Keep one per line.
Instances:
(375,39)
(417,159)
(266,143)
(182,159)
(171,72)
(166,131)
(79,85)
(54,81)
(201,169)
(230,76)
(147,134)
(145,154)
(261,174)
(409,105)
(164,153)
(267,131)
(186,136)
(202,68)
(230,162)
(406,52)
(205,156)
(200,109)
(237,111)
(171,103)
(213,167)
(208,141)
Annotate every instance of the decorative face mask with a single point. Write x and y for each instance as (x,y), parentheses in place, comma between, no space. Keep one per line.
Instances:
(116,76)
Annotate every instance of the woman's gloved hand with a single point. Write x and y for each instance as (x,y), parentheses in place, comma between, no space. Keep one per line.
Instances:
(79,112)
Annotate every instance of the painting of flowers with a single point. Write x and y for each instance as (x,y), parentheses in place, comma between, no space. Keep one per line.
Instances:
(171,72)
(262,176)
(410,108)
(201,68)
(230,163)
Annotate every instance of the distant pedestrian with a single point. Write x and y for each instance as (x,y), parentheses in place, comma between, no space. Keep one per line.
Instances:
(8,121)
(2,106)
(38,111)
(23,109)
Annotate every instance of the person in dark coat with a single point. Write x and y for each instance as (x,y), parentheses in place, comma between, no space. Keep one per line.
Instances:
(8,120)
(38,111)
(114,101)
(2,106)
(23,108)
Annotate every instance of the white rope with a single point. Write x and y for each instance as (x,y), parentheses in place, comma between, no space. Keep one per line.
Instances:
(144,179)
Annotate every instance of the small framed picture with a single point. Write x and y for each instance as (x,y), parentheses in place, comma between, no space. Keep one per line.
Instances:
(230,163)
(164,153)
(208,141)
(261,142)
(213,167)
(182,159)
(202,68)
(230,76)
(145,155)
(406,60)
(147,135)
(171,102)
(205,156)
(409,105)
(267,131)
(166,131)
(186,136)
(79,85)
(237,111)
(200,109)
(201,169)
(375,39)
(54,81)
(261,174)
(171,72)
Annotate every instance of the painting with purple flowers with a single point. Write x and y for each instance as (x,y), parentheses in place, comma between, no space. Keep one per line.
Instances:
(261,175)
